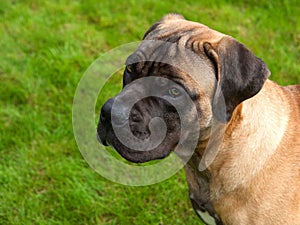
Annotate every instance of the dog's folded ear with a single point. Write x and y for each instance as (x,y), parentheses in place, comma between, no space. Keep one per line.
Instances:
(240,75)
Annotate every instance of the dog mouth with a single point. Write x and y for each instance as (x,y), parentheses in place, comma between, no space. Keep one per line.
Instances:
(135,156)
(139,156)
(102,141)
(141,137)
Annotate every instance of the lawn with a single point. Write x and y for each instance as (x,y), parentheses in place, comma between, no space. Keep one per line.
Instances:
(46,46)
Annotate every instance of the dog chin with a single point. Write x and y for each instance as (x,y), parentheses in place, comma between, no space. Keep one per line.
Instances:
(138,156)
(142,157)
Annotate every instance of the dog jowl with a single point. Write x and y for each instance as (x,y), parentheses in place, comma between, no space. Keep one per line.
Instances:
(184,79)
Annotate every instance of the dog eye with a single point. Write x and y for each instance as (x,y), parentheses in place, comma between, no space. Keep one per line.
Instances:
(127,76)
(129,68)
(174,92)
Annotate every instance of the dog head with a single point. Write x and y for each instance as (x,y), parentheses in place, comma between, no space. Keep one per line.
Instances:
(177,63)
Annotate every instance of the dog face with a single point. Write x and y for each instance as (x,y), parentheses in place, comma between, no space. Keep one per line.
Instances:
(170,90)
(212,70)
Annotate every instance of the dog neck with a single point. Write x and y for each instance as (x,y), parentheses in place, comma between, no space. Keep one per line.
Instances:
(251,138)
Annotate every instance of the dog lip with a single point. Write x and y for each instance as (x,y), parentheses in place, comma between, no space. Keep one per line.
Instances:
(101,141)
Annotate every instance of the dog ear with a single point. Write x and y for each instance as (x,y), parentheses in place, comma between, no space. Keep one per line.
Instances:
(239,73)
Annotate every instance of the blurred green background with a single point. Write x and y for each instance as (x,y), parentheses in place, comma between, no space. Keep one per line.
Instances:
(45,48)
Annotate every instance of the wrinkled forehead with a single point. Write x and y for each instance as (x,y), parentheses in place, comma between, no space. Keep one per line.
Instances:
(173,30)
(161,58)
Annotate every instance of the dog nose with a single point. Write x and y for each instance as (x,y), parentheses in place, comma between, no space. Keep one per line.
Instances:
(105,115)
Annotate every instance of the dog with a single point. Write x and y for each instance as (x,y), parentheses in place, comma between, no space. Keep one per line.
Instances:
(254,178)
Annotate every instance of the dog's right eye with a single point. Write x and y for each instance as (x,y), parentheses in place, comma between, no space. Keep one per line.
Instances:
(127,76)
(129,68)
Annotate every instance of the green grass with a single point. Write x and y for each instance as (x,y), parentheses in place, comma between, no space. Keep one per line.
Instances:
(45,48)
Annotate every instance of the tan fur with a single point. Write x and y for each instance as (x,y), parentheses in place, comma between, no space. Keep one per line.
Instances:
(256,175)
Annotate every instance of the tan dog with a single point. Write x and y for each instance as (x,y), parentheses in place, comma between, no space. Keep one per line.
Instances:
(255,176)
